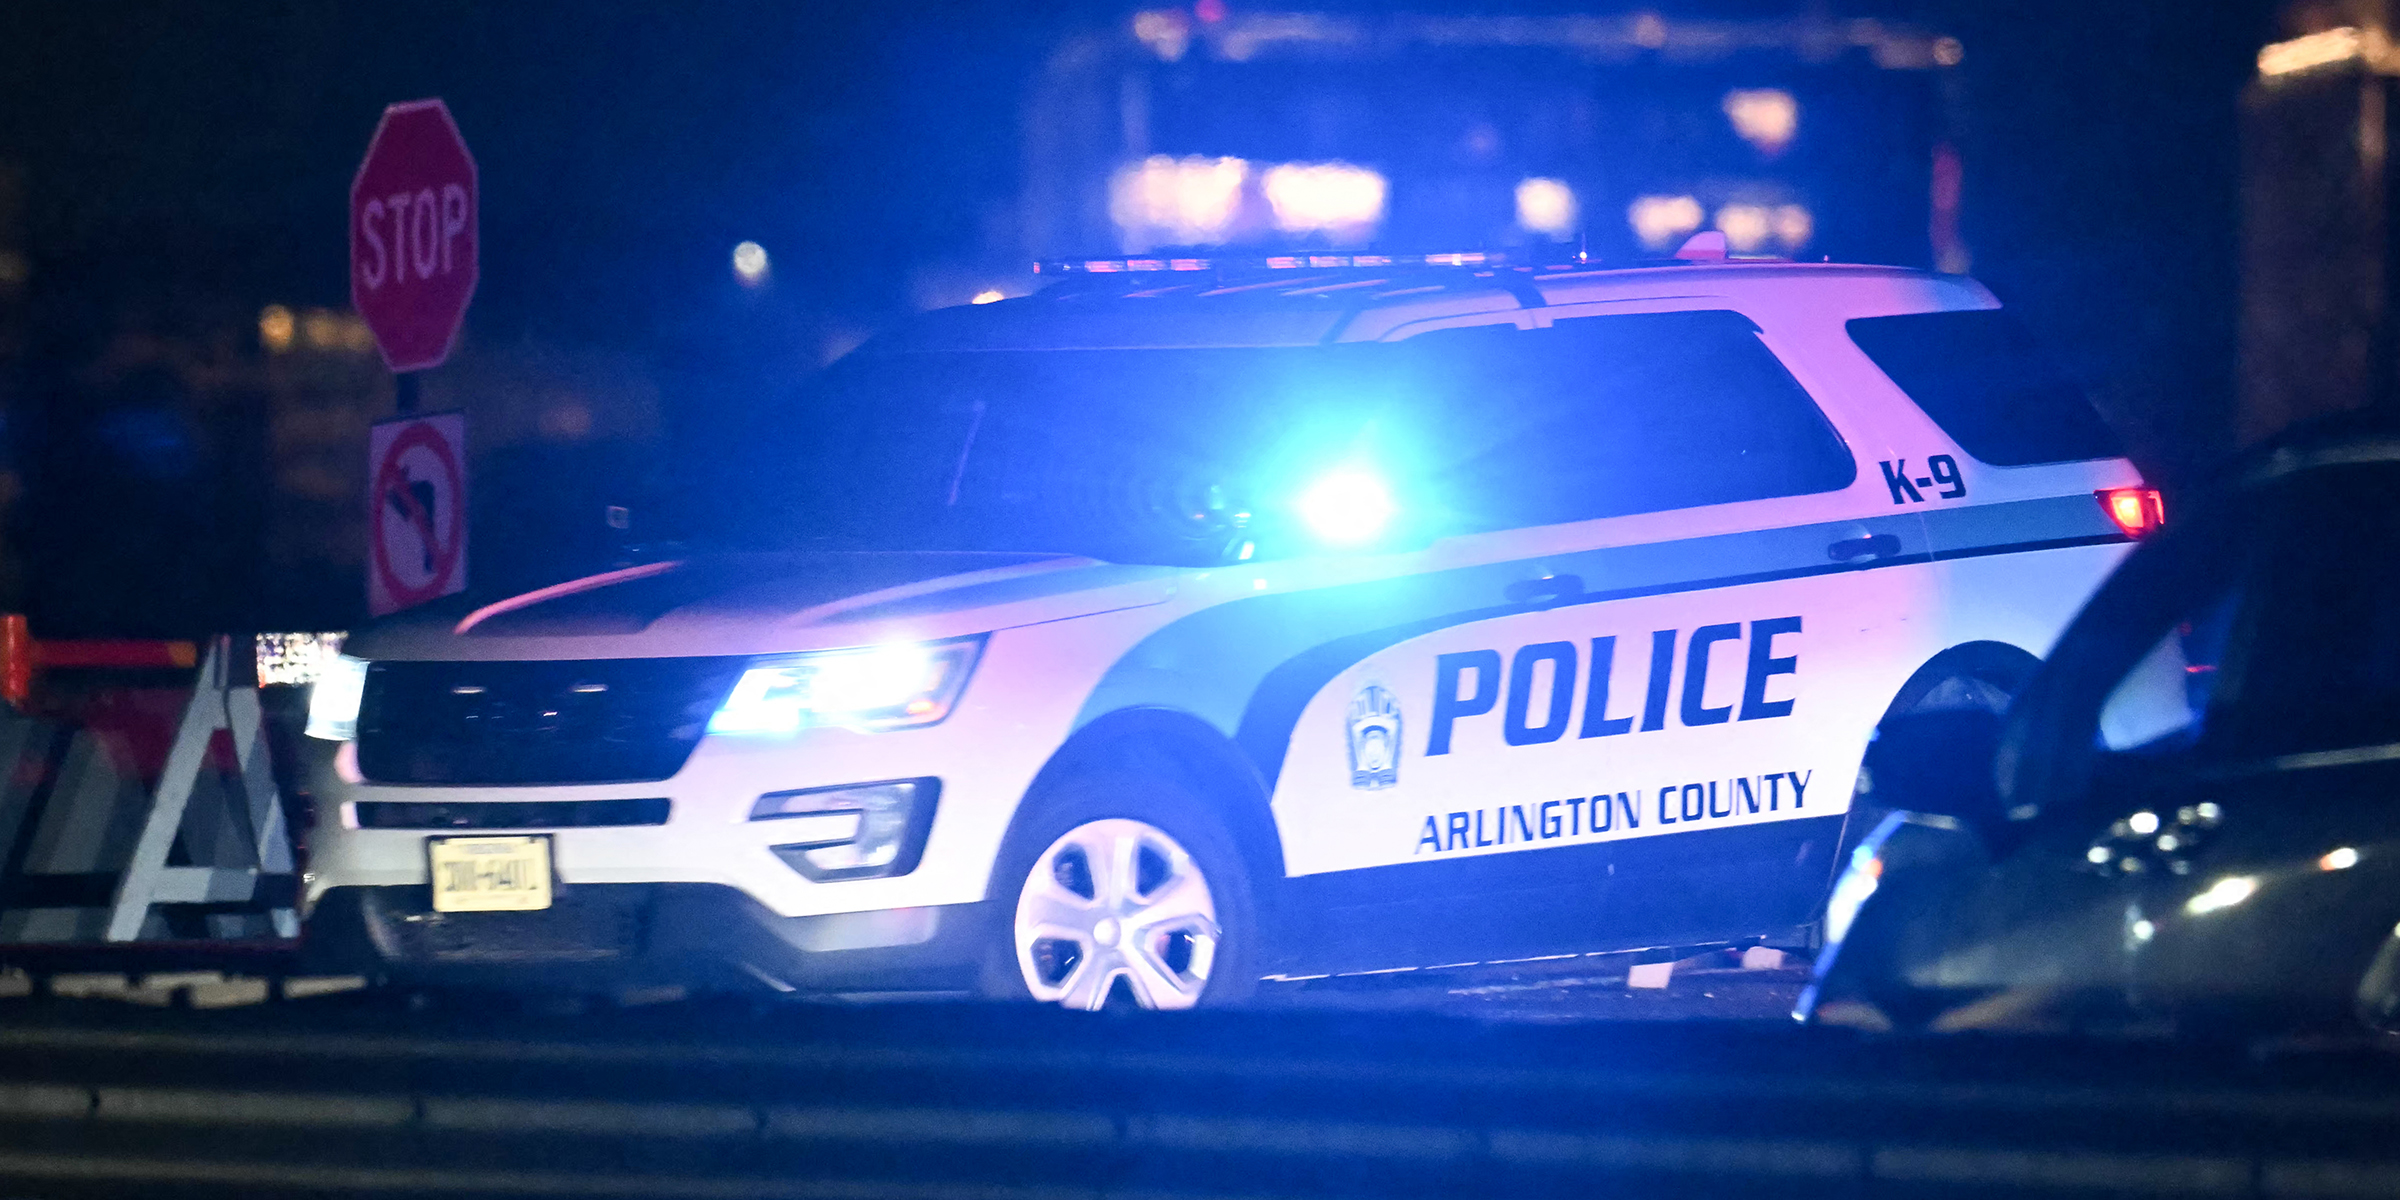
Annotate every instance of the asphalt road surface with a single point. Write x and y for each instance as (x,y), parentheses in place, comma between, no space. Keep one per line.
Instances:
(1714,985)
(1709,986)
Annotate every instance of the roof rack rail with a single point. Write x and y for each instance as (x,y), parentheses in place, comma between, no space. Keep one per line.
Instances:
(1275,262)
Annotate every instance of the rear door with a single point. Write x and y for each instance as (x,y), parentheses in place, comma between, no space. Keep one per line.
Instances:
(1641,719)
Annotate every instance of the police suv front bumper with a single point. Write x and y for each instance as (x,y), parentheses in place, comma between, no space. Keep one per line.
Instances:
(611,936)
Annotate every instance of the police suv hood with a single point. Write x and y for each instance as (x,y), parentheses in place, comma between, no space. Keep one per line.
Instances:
(765,604)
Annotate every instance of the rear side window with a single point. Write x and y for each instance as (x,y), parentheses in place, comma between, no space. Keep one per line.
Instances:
(1980,377)
(1607,416)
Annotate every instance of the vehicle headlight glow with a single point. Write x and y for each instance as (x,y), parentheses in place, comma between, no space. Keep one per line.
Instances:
(870,688)
(1347,507)
(333,698)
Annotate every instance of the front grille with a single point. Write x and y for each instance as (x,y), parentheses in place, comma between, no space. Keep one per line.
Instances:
(511,814)
(582,925)
(629,720)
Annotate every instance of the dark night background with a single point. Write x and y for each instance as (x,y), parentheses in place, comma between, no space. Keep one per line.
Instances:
(167,170)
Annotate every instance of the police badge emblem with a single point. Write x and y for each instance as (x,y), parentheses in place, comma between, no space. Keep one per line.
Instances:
(1374,730)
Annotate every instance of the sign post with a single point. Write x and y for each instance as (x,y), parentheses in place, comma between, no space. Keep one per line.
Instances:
(414,208)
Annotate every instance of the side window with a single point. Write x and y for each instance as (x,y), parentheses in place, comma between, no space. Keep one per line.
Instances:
(2162,703)
(1980,376)
(1609,416)
(2313,662)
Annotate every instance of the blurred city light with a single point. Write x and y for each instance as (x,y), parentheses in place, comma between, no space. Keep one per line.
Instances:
(1661,221)
(1546,206)
(1165,31)
(290,659)
(989,296)
(280,330)
(322,330)
(275,328)
(1334,198)
(1950,254)
(1746,227)
(1754,228)
(1764,117)
(2315,50)
(750,264)
(1163,201)
(1758,226)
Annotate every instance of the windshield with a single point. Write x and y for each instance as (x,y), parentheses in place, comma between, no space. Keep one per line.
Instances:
(1196,456)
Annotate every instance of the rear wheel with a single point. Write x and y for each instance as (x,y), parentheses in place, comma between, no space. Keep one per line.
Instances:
(1988,685)
(1986,681)
(1126,889)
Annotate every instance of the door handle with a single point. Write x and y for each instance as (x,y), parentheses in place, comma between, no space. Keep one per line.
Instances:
(1549,587)
(1871,547)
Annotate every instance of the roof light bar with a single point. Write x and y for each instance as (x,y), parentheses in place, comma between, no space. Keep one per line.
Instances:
(1277,262)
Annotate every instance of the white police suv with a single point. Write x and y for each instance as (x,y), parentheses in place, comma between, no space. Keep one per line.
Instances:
(1184,626)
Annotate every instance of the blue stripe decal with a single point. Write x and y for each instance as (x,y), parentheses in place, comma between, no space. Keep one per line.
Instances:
(1977,529)
(1249,666)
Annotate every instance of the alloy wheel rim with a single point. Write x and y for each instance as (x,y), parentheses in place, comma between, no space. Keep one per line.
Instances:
(1111,900)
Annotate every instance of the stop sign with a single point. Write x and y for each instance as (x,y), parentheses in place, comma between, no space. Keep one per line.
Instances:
(412,234)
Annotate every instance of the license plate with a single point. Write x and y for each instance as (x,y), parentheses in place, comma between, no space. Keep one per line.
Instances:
(489,874)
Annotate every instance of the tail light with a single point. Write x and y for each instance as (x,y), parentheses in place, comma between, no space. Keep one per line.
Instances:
(2137,511)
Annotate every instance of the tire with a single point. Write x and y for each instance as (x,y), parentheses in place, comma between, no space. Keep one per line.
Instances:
(1116,883)
(1989,687)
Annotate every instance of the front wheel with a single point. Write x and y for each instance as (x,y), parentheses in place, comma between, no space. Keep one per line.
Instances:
(1124,889)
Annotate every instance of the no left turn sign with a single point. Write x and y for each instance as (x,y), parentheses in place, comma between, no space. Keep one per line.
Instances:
(416,511)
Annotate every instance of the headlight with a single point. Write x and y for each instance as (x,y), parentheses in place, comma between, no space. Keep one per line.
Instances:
(877,687)
(856,831)
(333,698)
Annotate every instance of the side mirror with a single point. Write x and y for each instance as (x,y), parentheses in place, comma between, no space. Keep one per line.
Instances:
(2379,990)
(1938,762)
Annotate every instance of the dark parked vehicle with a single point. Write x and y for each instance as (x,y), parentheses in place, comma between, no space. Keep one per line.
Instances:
(2187,822)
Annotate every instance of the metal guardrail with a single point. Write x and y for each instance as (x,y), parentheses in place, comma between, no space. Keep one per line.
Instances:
(703,1101)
